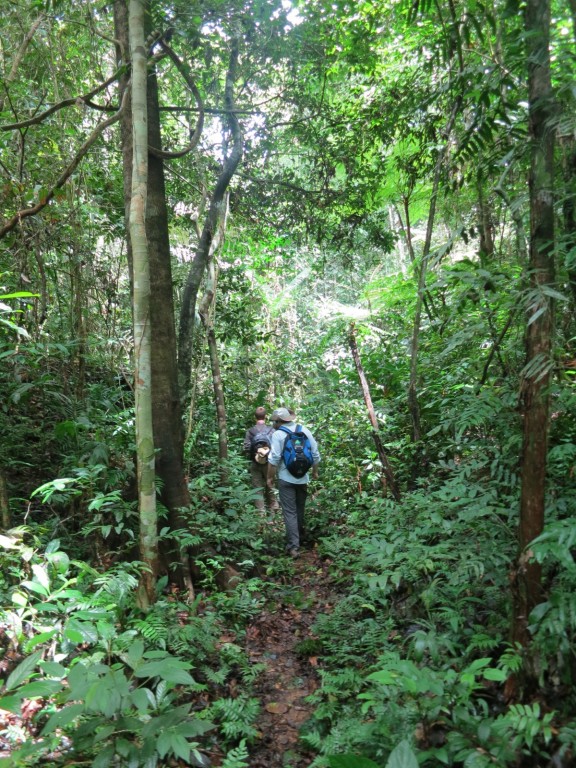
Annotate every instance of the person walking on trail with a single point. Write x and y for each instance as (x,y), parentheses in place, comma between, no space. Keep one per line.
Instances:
(293,488)
(257,447)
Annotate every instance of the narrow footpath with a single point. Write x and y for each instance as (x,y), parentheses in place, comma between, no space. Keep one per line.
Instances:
(273,638)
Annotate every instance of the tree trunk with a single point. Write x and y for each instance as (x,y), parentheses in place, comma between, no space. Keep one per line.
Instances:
(386,468)
(218,397)
(485,226)
(204,250)
(166,402)
(4,503)
(537,373)
(206,312)
(142,336)
(166,411)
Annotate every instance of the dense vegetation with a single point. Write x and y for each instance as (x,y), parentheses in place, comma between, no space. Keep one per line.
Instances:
(366,211)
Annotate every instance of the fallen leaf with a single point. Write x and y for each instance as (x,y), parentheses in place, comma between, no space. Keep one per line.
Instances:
(276,708)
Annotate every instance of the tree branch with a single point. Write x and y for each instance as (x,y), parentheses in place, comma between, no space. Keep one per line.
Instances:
(20,53)
(195,138)
(86,99)
(17,218)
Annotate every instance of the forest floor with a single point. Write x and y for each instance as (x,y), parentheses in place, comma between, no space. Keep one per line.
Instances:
(275,637)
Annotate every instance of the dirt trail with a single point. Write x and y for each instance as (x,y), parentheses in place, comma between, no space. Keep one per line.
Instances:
(273,638)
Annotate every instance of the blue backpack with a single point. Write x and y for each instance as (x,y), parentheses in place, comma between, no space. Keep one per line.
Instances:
(297,451)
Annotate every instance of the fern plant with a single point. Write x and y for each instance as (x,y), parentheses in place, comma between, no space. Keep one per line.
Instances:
(236,718)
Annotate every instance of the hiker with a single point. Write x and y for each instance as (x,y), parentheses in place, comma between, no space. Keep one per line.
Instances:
(257,448)
(293,482)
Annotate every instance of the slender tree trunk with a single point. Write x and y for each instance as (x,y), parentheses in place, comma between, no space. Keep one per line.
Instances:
(218,395)
(485,227)
(407,228)
(78,321)
(537,374)
(142,335)
(386,468)
(203,252)
(206,312)
(4,503)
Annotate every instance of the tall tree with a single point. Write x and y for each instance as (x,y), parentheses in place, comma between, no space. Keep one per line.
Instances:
(539,333)
(166,407)
(141,302)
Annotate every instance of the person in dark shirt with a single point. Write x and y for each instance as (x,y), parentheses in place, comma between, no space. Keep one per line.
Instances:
(259,463)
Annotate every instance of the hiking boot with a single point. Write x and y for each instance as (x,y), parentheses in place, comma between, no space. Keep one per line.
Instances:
(293,552)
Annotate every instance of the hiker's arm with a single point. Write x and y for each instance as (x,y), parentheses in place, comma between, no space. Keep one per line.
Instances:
(315,456)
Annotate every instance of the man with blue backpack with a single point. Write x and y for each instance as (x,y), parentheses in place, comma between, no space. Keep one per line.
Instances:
(293,454)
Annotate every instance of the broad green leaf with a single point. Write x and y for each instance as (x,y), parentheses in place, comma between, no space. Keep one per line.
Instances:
(143,699)
(178,676)
(36,587)
(23,671)
(43,637)
(11,704)
(53,669)
(84,630)
(19,295)
(73,635)
(19,599)
(41,576)
(497,675)
(181,747)
(59,560)
(195,727)
(385,677)
(402,756)
(40,689)
(104,733)
(53,546)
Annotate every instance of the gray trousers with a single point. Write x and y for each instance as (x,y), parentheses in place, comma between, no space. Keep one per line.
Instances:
(293,502)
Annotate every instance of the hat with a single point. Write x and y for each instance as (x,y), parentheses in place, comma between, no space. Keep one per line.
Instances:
(281,414)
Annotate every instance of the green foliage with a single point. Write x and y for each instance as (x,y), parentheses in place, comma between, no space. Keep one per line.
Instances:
(401,756)
(8,314)
(328,223)
(237,757)
(111,715)
(236,718)
(110,694)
